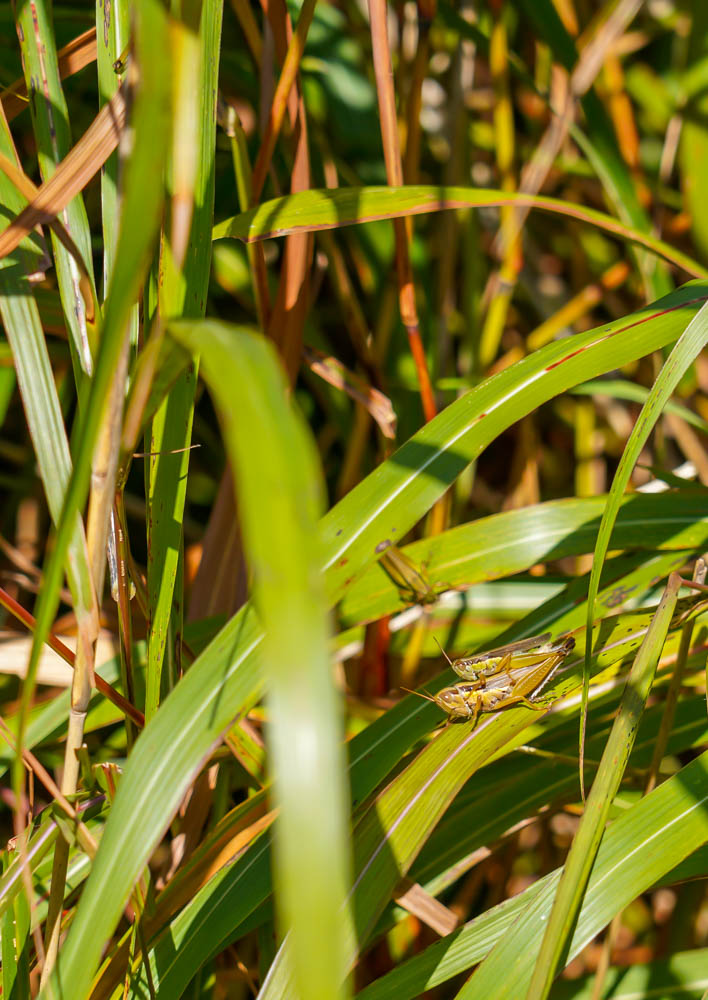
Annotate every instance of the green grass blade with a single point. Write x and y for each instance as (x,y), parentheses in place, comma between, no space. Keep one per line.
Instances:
(332,208)
(639,848)
(389,501)
(182,293)
(279,501)
(50,116)
(502,544)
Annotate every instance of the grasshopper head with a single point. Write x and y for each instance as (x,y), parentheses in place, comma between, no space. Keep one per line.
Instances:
(455,702)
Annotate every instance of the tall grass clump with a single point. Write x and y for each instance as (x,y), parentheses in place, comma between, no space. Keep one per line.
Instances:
(333,334)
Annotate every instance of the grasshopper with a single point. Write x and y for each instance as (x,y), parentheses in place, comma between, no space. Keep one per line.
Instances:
(407,576)
(467,699)
(521,655)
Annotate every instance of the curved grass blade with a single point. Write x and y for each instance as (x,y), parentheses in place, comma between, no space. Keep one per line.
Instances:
(503,544)
(398,822)
(50,116)
(639,848)
(312,210)
(225,678)
(279,502)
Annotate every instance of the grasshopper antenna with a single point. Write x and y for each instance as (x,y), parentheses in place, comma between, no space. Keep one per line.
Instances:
(426,696)
(442,651)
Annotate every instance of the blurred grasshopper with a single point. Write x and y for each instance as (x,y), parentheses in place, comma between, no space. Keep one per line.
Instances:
(468,699)
(521,655)
(407,576)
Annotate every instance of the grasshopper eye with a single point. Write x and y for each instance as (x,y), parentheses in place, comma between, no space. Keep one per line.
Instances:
(449,698)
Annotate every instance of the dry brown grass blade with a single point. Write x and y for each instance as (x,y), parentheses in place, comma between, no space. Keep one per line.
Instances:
(85,838)
(288,319)
(30,191)
(334,372)
(413,898)
(72,175)
(278,107)
(11,605)
(80,52)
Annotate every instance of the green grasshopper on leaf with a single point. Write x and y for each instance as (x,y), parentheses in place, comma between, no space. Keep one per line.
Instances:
(521,655)
(410,579)
(514,684)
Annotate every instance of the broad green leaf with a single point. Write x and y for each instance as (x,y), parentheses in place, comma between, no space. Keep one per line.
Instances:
(279,501)
(332,208)
(503,544)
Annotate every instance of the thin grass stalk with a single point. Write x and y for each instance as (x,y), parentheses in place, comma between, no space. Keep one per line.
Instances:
(103,476)
(288,74)
(579,305)
(394,172)
(501,286)
(122,597)
(231,124)
(414,101)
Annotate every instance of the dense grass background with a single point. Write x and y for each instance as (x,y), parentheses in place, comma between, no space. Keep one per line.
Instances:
(283,289)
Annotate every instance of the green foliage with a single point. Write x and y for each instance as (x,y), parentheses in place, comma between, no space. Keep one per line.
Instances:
(208,456)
